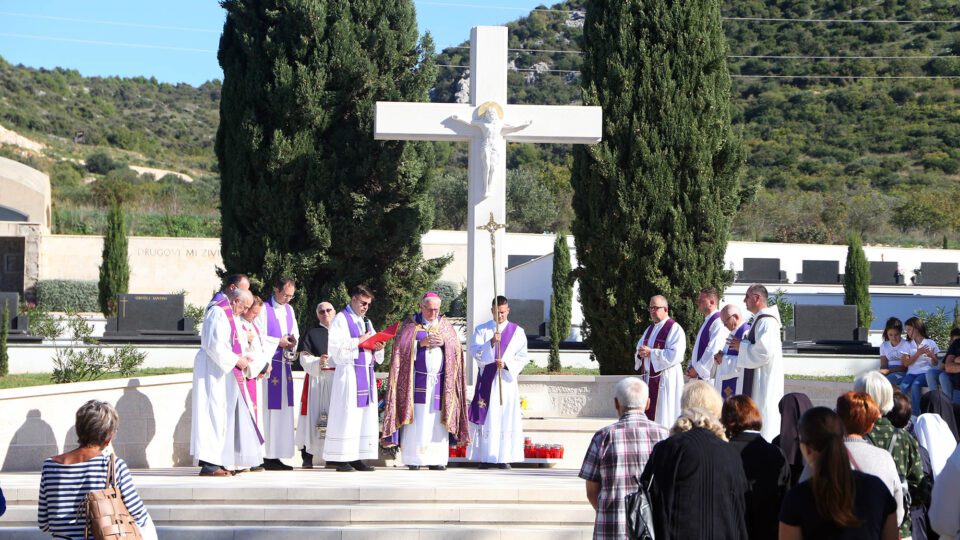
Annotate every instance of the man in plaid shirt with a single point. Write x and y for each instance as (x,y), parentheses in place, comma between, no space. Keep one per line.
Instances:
(617,456)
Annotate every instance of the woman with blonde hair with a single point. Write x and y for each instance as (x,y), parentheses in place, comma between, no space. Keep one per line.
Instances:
(696,455)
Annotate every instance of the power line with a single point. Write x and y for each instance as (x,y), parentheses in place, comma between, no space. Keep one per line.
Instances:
(502,8)
(109,23)
(107,43)
(764,56)
(517,69)
(739,76)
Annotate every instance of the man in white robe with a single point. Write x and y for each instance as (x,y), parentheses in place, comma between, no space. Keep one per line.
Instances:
(317,383)
(659,357)
(213,372)
(729,381)
(353,433)
(245,429)
(278,326)
(499,348)
(761,351)
(711,338)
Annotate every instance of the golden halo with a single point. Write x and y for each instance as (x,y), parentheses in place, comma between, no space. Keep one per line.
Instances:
(482,109)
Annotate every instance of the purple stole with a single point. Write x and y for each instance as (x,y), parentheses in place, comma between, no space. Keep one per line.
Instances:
(364,374)
(729,386)
(704,336)
(654,381)
(274,392)
(224,304)
(420,372)
(481,397)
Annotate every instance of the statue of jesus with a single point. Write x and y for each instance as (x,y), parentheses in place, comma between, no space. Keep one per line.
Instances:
(492,129)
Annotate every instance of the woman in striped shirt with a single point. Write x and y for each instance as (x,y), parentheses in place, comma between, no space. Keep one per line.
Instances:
(66,479)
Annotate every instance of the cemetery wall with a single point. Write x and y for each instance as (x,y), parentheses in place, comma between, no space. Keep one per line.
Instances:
(157,265)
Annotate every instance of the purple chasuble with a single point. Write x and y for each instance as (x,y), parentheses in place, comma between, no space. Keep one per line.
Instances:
(420,371)
(704,336)
(654,382)
(364,374)
(485,377)
(274,392)
(224,304)
(729,386)
(748,373)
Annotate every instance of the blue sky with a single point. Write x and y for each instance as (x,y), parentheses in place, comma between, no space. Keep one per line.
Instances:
(176,40)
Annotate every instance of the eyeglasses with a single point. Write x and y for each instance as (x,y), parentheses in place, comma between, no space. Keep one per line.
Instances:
(654,308)
(364,302)
(329,310)
(285,296)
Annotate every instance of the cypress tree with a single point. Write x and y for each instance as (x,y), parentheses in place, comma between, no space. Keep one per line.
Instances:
(856,281)
(561,301)
(4,334)
(305,189)
(654,200)
(115,267)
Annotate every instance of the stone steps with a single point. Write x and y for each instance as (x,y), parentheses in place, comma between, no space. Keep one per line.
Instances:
(466,504)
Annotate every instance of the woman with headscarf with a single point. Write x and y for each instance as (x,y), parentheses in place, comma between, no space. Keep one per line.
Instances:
(935,437)
(792,406)
(936,402)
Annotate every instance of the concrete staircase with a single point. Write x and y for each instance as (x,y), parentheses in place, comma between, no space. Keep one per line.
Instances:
(461,503)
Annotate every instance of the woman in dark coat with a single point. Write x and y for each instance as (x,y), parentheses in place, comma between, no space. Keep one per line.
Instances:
(697,483)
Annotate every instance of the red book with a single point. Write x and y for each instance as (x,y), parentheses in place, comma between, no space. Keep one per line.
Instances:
(382,336)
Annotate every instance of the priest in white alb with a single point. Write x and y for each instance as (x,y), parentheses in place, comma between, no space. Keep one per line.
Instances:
(317,383)
(278,325)
(499,348)
(761,359)
(711,338)
(244,449)
(217,366)
(659,360)
(426,401)
(729,380)
(353,433)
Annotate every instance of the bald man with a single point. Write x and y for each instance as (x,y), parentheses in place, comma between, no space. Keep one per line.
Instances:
(659,361)
(729,381)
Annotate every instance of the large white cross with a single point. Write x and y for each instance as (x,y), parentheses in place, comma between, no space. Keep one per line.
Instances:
(487,165)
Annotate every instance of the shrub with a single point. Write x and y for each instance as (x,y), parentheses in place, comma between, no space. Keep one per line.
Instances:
(102,163)
(91,363)
(448,291)
(67,295)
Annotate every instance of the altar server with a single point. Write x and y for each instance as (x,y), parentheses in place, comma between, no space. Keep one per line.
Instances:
(499,347)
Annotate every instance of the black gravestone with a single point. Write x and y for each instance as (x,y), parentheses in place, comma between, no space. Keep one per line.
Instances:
(938,273)
(761,271)
(517,260)
(818,323)
(11,263)
(19,325)
(528,314)
(150,318)
(821,272)
(885,273)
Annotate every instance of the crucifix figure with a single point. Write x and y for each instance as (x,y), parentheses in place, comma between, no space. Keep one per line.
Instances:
(488,122)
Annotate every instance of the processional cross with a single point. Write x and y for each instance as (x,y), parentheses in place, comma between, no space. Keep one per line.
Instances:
(483,122)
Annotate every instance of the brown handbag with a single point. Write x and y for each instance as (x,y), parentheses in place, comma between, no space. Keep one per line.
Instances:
(107,516)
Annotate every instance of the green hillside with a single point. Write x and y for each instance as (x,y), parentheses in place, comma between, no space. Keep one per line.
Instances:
(828,155)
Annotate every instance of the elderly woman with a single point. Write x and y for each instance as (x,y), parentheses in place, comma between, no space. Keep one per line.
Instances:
(66,479)
(696,455)
(767,470)
(701,395)
(901,445)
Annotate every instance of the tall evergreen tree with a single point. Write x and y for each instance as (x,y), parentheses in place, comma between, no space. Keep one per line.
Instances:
(561,301)
(856,281)
(655,199)
(115,267)
(306,191)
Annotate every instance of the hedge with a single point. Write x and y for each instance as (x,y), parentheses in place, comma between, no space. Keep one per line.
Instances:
(67,295)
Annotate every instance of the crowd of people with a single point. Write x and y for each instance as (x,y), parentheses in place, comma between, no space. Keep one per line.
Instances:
(727,455)
(244,418)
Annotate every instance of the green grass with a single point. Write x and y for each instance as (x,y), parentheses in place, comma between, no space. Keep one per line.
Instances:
(20,380)
(825,378)
(533,369)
